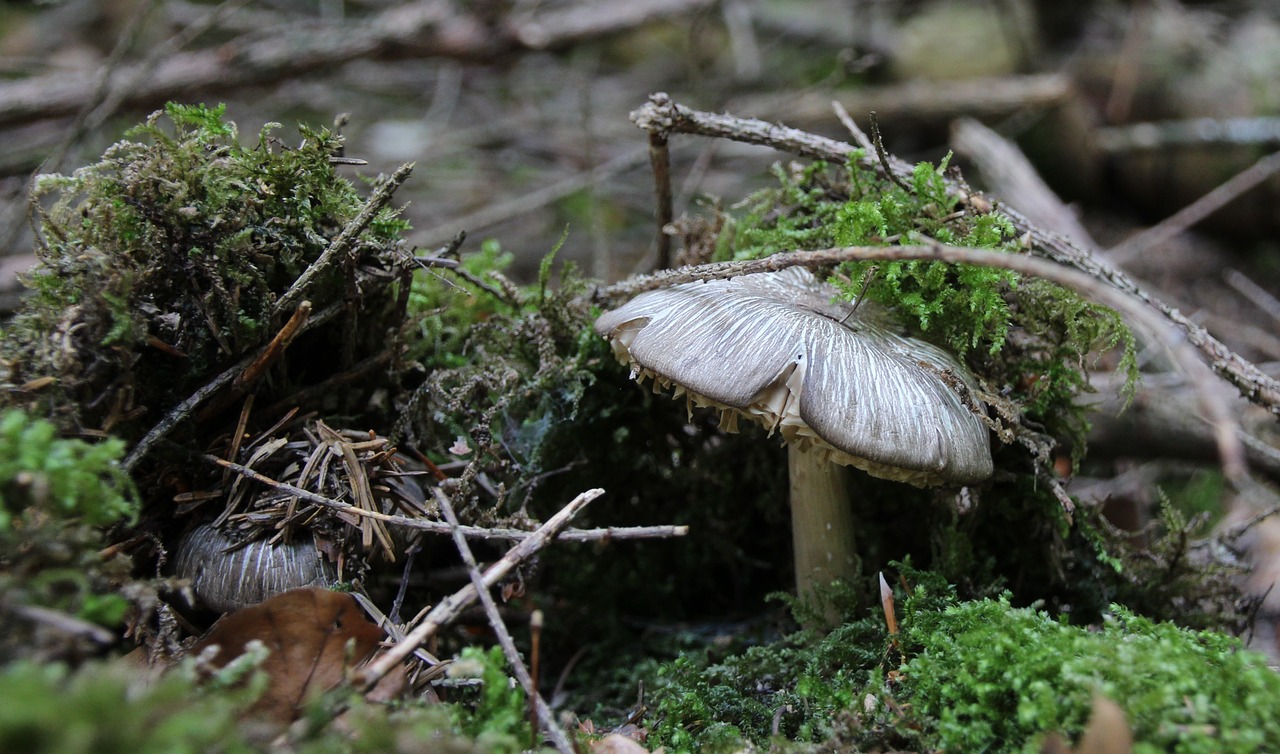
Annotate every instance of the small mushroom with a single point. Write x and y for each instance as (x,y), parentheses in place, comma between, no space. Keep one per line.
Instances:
(842,390)
(227,576)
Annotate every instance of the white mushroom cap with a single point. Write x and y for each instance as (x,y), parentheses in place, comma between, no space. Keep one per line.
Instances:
(773,347)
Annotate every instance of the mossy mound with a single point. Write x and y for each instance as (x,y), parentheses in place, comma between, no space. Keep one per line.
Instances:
(969,676)
(163,263)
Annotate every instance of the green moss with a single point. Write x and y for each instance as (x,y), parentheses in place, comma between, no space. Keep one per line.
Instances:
(988,676)
(969,676)
(55,495)
(1028,339)
(114,708)
(162,263)
(43,476)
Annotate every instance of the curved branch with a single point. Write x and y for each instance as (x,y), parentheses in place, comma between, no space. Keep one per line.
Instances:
(663,116)
(1217,413)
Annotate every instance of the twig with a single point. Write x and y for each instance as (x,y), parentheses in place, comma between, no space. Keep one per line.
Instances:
(455,603)
(1257,295)
(877,140)
(1198,210)
(274,349)
(660,160)
(663,115)
(1217,414)
(342,242)
(180,412)
(604,534)
(1255,131)
(847,121)
(1009,173)
(553,731)
(64,623)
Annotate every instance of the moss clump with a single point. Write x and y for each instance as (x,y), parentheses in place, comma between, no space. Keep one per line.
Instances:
(115,709)
(990,676)
(43,476)
(54,496)
(969,676)
(1028,340)
(162,263)
(507,370)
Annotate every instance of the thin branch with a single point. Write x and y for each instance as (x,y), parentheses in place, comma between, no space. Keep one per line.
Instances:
(275,349)
(180,412)
(663,115)
(451,606)
(1217,414)
(553,731)
(343,242)
(603,534)
(426,28)
(1198,210)
(660,160)
(877,140)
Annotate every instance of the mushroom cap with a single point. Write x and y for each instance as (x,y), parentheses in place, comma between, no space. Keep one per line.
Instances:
(777,349)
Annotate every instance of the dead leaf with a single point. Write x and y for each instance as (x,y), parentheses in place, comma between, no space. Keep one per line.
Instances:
(615,743)
(308,631)
(1108,732)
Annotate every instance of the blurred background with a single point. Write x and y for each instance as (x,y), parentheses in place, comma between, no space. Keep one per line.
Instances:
(516,111)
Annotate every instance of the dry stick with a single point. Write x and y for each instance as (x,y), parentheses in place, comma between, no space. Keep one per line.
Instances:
(1257,295)
(421,29)
(275,349)
(663,115)
(660,160)
(180,412)
(343,242)
(553,730)
(1217,414)
(455,603)
(604,534)
(1198,210)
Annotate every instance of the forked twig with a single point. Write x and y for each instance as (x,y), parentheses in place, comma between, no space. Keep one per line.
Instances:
(451,606)
(602,534)
(554,731)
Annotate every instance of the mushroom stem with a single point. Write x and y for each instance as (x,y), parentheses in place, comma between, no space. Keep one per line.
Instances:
(821,521)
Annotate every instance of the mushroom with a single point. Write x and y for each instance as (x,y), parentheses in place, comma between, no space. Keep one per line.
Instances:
(226,575)
(841,389)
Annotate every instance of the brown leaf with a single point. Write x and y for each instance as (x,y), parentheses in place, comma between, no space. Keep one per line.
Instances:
(1108,733)
(308,631)
(617,744)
